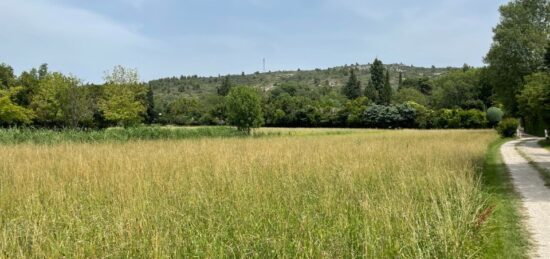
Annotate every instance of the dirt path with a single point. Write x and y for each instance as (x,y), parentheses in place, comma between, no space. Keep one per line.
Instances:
(535,195)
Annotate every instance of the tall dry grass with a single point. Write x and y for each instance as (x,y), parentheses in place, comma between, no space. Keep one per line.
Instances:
(410,194)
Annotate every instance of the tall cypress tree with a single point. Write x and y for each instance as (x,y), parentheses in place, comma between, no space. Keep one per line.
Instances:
(352,89)
(385,94)
(377,80)
(400,84)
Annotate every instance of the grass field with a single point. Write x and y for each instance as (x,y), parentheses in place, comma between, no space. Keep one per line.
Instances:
(410,194)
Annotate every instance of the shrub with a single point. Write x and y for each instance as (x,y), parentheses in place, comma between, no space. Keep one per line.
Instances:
(507,127)
(494,116)
(472,119)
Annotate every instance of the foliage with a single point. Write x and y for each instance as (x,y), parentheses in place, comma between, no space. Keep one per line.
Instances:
(394,116)
(534,102)
(422,84)
(244,107)
(60,101)
(120,102)
(410,95)
(7,77)
(494,115)
(11,113)
(377,82)
(352,89)
(518,48)
(459,89)
(225,87)
(507,127)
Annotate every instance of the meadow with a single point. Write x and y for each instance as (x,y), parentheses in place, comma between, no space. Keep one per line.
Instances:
(352,194)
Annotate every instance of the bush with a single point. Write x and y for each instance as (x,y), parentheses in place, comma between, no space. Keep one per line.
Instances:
(472,119)
(507,127)
(494,116)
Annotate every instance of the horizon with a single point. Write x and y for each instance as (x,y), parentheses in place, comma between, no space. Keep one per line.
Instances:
(168,38)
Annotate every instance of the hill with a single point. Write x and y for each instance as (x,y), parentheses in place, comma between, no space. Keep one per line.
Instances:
(169,89)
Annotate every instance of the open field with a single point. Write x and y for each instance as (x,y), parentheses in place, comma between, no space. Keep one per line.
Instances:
(412,194)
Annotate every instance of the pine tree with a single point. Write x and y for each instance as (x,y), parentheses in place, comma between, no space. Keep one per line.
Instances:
(352,89)
(377,80)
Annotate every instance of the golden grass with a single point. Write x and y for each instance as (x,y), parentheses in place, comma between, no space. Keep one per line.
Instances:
(385,194)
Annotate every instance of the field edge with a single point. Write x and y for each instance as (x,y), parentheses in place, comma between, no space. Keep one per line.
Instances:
(507,237)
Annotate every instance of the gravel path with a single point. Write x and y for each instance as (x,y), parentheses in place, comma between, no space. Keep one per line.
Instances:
(535,195)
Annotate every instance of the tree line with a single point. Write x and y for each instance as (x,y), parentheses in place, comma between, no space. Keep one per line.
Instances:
(515,83)
(45,99)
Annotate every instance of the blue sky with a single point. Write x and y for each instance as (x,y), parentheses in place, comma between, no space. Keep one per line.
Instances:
(209,37)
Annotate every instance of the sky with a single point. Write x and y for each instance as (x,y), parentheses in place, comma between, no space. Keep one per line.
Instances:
(164,38)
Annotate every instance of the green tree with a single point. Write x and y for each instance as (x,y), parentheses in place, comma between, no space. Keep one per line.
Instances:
(225,87)
(121,103)
(151,114)
(377,81)
(244,108)
(352,89)
(7,77)
(386,92)
(547,57)
(410,95)
(11,113)
(60,101)
(458,89)
(43,71)
(400,84)
(534,102)
(518,48)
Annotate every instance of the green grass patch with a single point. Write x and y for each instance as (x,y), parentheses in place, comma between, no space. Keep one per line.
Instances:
(504,230)
(45,136)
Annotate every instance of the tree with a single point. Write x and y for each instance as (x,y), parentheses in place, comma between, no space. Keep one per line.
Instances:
(244,107)
(7,78)
(547,57)
(377,80)
(151,114)
(42,71)
(225,87)
(352,89)
(120,103)
(60,101)
(11,113)
(400,84)
(534,102)
(518,48)
(386,92)
(458,89)
(410,95)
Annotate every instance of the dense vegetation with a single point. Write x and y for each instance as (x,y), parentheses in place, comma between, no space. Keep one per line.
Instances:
(449,99)
(516,80)
(519,62)
(413,194)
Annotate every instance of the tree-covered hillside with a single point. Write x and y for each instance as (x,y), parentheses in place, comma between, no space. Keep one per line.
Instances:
(169,89)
